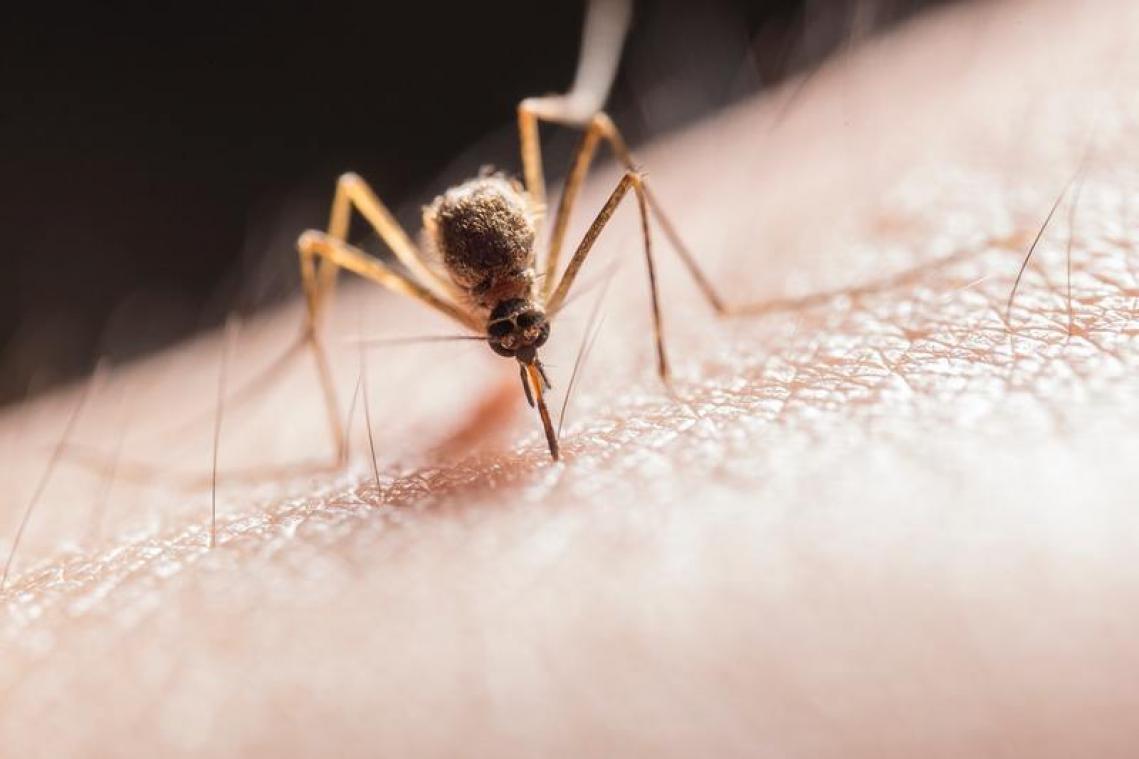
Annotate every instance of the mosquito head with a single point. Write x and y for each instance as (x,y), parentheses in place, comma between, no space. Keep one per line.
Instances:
(516,329)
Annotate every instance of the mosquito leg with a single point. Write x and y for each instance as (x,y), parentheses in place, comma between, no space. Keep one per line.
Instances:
(606,22)
(702,282)
(321,260)
(583,157)
(631,180)
(313,246)
(530,112)
(352,192)
(621,150)
(334,254)
(318,248)
(531,147)
(600,126)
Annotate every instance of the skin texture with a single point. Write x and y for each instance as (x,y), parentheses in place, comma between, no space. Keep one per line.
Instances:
(880,521)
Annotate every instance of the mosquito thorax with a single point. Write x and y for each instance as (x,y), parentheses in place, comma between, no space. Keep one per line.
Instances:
(483,230)
(517,328)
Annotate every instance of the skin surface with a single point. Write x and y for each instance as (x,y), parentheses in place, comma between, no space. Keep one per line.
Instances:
(885,522)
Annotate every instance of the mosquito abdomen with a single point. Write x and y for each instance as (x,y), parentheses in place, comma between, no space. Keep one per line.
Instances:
(484,231)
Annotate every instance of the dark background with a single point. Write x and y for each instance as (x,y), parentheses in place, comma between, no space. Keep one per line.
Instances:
(157,163)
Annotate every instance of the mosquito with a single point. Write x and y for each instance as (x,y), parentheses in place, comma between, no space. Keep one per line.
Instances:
(484,231)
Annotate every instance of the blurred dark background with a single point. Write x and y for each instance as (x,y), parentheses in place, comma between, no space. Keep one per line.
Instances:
(156,163)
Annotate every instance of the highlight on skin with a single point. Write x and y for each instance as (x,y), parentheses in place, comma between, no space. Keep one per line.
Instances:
(885,522)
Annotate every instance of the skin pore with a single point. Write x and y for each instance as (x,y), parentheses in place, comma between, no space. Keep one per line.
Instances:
(885,522)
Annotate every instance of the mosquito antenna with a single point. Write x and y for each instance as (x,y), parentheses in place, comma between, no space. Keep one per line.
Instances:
(588,337)
(231,327)
(369,342)
(57,454)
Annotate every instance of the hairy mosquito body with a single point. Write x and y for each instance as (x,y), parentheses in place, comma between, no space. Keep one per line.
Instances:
(484,232)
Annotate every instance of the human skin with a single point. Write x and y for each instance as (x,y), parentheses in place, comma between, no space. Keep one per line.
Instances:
(885,521)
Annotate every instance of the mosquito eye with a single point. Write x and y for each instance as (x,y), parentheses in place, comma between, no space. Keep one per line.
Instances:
(500,328)
(543,336)
(527,319)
